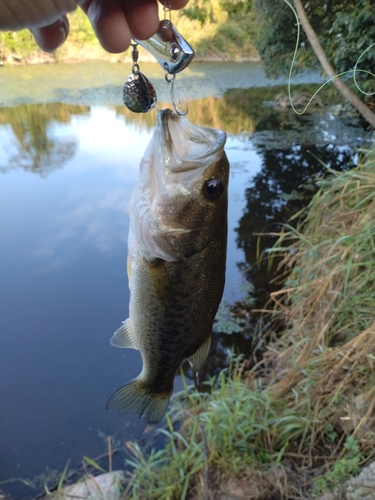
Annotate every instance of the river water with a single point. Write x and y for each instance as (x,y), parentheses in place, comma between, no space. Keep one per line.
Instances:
(69,156)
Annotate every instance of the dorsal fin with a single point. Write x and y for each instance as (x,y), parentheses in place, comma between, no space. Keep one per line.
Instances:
(123,337)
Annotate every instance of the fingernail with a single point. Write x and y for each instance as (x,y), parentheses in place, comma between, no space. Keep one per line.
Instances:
(63,31)
(49,38)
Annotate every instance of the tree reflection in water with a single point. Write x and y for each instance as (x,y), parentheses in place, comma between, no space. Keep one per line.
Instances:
(285,185)
(38,148)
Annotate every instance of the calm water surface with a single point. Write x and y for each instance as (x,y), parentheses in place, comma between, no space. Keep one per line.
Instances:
(69,156)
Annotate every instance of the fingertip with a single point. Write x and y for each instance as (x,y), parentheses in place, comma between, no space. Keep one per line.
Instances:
(110,26)
(113,33)
(142,17)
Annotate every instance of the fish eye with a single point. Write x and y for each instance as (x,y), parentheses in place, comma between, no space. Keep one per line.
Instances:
(213,189)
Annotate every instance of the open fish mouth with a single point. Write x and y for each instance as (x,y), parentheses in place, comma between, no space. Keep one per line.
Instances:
(168,204)
(188,146)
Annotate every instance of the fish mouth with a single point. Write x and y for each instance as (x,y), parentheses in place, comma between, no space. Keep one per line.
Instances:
(188,146)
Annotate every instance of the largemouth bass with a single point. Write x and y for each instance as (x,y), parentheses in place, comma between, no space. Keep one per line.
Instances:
(176,260)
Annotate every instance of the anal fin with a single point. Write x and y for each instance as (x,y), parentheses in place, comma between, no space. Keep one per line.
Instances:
(198,359)
(123,338)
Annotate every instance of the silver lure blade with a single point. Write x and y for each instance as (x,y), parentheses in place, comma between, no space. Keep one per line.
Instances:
(138,93)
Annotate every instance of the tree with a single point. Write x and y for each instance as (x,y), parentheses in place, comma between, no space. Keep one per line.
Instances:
(336,30)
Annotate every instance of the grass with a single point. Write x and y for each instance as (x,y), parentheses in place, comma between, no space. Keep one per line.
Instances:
(328,302)
(228,425)
(302,421)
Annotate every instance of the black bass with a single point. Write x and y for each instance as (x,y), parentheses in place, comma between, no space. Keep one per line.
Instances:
(176,260)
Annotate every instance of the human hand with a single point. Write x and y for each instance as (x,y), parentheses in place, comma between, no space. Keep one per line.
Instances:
(115,22)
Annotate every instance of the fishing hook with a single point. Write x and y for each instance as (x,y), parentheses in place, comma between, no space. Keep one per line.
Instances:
(178,109)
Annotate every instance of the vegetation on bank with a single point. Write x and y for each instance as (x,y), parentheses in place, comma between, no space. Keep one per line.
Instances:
(301,421)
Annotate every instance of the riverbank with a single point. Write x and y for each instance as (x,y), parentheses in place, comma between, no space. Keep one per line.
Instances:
(72,54)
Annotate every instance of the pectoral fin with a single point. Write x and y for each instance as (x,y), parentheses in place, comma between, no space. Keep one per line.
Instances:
(159,277)
(198,359)
(123,338)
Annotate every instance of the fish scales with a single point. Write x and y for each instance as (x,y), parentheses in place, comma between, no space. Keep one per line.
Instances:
(176,260)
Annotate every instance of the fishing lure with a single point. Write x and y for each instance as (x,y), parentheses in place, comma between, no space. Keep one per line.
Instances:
(172,52)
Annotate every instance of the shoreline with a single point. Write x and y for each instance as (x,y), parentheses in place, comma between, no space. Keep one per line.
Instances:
(47,59)
(76,55)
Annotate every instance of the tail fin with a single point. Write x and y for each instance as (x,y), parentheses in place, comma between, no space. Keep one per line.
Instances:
(134,399)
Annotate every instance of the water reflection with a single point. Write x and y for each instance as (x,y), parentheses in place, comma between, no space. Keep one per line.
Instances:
(63,292)
(38,144)
(226,113)
(282,188)
(293,153)
(35,144)
(237,111)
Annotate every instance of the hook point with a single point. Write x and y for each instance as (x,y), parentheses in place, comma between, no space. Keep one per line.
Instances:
(179,109)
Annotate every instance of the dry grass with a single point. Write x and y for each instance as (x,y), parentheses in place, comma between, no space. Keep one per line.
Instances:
(325,360)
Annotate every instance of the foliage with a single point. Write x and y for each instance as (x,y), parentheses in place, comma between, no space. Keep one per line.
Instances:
(342,468)
(228,319)
(20,43)
(206,10)
(229,428)
(80,32)
(224,29)
(336,244)
(348,31)
(276,36)
(328,304)
(345,30)
(60,482)
(200,10)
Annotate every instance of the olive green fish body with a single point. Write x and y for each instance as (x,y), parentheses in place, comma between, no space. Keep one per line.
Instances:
(176,260)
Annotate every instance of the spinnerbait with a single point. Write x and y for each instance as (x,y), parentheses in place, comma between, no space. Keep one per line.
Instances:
(172,52)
